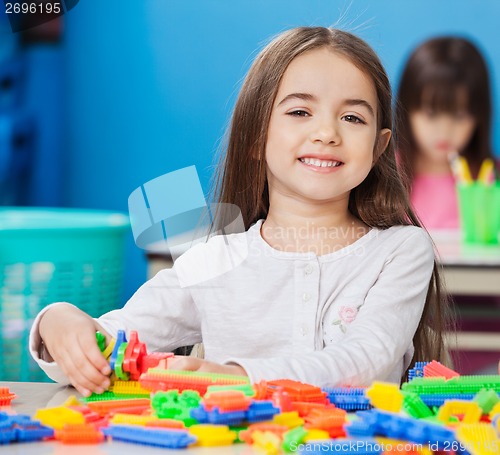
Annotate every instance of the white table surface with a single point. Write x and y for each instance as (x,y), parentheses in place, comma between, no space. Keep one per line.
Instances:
(32,395)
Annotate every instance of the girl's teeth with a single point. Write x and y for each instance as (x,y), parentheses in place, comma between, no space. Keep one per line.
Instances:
(320,163)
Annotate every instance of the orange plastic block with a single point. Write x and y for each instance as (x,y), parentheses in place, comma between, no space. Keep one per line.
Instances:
(166,423)
(6,396)
(298,391)
(79,434)
(260,389)
(304,408)
(282,400)
(158,379)
(226,401)
(132,410)
(278,430)
(329,420)
(435,369)
(106,407)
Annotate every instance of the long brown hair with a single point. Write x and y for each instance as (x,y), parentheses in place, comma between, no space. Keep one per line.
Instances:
(380,201)
(437,73)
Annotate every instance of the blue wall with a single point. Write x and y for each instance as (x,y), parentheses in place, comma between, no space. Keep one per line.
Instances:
(150,85)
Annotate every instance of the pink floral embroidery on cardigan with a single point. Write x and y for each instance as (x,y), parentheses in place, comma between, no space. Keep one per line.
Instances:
(347,315)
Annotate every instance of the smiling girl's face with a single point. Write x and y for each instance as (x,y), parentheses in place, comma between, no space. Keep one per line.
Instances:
(323,129)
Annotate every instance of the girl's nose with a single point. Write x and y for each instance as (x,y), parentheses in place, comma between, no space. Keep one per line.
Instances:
(325,133)
(444,124)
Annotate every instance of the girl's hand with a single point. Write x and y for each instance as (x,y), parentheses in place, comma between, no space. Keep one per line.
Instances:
(195,364)
(69,337)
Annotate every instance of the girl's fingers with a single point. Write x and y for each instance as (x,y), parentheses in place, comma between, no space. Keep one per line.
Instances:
(80,371)
(71,368)
(93,364)
(94,355)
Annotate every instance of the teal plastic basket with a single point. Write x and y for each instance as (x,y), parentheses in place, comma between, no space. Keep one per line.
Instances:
(52,255)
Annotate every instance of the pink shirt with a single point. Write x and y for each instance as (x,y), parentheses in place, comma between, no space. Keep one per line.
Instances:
(434,200)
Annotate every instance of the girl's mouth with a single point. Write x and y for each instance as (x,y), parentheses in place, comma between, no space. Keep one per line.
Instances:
(317,163)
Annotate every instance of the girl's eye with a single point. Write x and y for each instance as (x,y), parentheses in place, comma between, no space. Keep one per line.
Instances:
(298,113)
(353,119)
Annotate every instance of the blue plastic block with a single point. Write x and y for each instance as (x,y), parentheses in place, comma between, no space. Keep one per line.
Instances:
(170,439)
(438,399)
(261,410)
(216,417)
(348,398)
(33,431)
(417,371)
(360,428)
(120,338)
(398,427)
(7,435)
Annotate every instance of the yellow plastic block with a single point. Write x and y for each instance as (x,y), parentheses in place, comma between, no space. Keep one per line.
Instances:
(470,411)
(72,401)
(385,396)
(58,417)
(495,411)
(288,419)
(267,442)
(109,349)
(213,435)
(478,438)
(132,419)
(316,435)
(129,388)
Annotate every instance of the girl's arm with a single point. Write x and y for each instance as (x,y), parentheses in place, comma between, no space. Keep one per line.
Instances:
(161,311)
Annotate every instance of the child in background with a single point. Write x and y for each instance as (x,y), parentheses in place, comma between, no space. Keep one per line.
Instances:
(338,284)
(444,107)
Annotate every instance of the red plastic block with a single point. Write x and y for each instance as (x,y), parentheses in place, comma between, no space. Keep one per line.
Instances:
(153,360)
(6,396)
(298,391)
(435,369)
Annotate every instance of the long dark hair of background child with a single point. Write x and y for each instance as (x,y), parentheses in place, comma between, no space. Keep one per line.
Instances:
(435,74)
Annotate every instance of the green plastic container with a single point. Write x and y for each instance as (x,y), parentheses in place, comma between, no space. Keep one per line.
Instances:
(479,206)
(52,255)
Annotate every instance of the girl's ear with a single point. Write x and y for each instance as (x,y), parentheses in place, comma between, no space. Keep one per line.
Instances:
(384,136)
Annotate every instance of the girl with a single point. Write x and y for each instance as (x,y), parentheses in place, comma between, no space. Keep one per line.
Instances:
(444,106)
(335,282)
